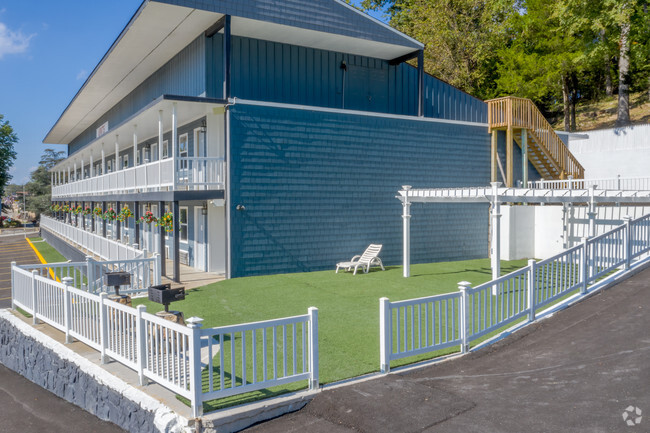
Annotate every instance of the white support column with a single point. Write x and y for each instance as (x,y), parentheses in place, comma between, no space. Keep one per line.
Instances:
(135,145)
(406,234)
(74,173)
(117,153)
(103,160)
(90,171)
(495,254)
(592,212)
(82,169)
(524,157)
(174,131)
(160,145)
(69,178)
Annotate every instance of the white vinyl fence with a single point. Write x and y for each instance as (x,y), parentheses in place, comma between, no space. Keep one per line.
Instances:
(89,275)
(237,359)
(612,183)
(106,249)
(416,326)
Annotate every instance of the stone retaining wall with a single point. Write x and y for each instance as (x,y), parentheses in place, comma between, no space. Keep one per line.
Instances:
(68,375)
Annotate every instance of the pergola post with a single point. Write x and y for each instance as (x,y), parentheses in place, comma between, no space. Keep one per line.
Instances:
(524,157)
(592,212)
(493,157)
(406,236)
(495,255)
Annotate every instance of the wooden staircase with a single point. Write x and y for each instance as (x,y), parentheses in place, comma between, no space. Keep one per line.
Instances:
(525,125)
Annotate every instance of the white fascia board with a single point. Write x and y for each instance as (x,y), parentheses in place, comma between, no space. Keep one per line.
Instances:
(268,31)
(155,35)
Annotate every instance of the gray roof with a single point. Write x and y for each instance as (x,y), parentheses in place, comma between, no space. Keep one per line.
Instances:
(330,16)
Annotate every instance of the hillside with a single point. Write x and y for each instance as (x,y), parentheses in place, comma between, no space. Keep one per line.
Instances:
(602,114)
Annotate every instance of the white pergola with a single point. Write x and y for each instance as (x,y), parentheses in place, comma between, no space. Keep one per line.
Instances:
(495,194)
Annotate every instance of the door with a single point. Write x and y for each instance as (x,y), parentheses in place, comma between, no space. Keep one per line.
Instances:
(200,235)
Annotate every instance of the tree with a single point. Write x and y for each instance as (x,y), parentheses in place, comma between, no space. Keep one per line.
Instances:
(7,153)
(38,187)
(461,37)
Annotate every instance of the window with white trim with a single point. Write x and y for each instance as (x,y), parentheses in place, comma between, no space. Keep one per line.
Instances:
(182,223)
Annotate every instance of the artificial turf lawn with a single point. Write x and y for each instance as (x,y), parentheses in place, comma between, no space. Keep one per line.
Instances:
(348,305)
(48,252)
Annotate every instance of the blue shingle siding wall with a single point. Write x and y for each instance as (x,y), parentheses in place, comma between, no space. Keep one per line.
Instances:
(275,72)
(185,75)
(319,187)
(320,15)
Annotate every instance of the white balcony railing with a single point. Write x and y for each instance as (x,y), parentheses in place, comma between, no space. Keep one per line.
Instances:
(172,174)
(106,249)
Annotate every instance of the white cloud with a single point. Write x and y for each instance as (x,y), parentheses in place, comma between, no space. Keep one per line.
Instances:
(82,75)
(13,42)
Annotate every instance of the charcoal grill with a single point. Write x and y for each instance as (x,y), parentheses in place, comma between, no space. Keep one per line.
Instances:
(117,279)
(164,294)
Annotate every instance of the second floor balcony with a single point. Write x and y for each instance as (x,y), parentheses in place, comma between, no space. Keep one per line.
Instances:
(172,174)
(173,144)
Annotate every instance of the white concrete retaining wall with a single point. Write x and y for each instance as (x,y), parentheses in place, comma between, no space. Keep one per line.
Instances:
(611,152)
(538,231)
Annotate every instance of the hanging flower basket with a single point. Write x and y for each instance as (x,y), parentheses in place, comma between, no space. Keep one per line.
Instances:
(148,218)
(66,208)
(110,215)
(77,210)
(166,222)
(124,214)
(98,211)
(87,211)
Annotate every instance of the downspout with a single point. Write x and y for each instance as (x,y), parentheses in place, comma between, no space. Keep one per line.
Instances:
(344,68)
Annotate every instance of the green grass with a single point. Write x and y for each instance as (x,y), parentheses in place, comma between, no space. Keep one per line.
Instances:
(48,252)
(348,306)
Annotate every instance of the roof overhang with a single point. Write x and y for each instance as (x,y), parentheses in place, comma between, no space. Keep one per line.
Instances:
(158,31)
(155,34)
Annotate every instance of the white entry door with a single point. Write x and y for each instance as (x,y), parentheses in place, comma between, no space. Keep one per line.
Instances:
(199,239)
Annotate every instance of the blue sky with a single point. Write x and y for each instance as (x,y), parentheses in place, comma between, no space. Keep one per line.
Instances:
(47,50)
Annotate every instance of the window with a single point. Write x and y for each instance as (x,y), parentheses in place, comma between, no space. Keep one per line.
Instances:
(137,158)
(109,166)
(182,145)
(125,161)
(182,223)
(165,149)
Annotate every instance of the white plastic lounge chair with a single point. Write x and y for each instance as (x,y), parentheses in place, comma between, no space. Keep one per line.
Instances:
(364,261)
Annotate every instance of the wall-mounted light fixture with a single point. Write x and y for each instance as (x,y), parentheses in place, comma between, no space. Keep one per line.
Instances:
(240,207)
(204,209)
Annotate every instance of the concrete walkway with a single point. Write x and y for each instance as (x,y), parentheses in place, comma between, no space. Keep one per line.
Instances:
(16,249)
(577,371)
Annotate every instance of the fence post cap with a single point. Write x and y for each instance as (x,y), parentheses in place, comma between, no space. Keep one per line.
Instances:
(194,322)
(383,299)
(34,272)
(584,239)
(142,308)
(464,285)
(627,218)
(67,281)
(312,309)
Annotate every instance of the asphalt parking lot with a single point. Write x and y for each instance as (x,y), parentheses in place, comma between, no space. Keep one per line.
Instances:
(12,249)
(586,369)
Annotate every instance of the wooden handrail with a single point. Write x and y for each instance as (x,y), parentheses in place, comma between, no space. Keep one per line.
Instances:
(514,112)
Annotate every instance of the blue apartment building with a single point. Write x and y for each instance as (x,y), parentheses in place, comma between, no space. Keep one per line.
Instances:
(277,133)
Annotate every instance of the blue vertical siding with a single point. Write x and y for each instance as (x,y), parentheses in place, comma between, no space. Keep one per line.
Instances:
(319,187)
(185,74)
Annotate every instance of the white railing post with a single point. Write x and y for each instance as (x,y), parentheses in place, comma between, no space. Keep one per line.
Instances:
(34,299)
(90,274)
(313,347)
(194,323)
(406,232)
(627,241)
(141,342)
(584,266)
(532,288)
(147,269)
(67,308)
(103,327)
(13,290)
(463,316)
(157,270)
(385,334)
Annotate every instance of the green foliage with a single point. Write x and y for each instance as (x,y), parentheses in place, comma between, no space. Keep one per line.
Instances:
(554,52)
(7,153)
(38,187)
